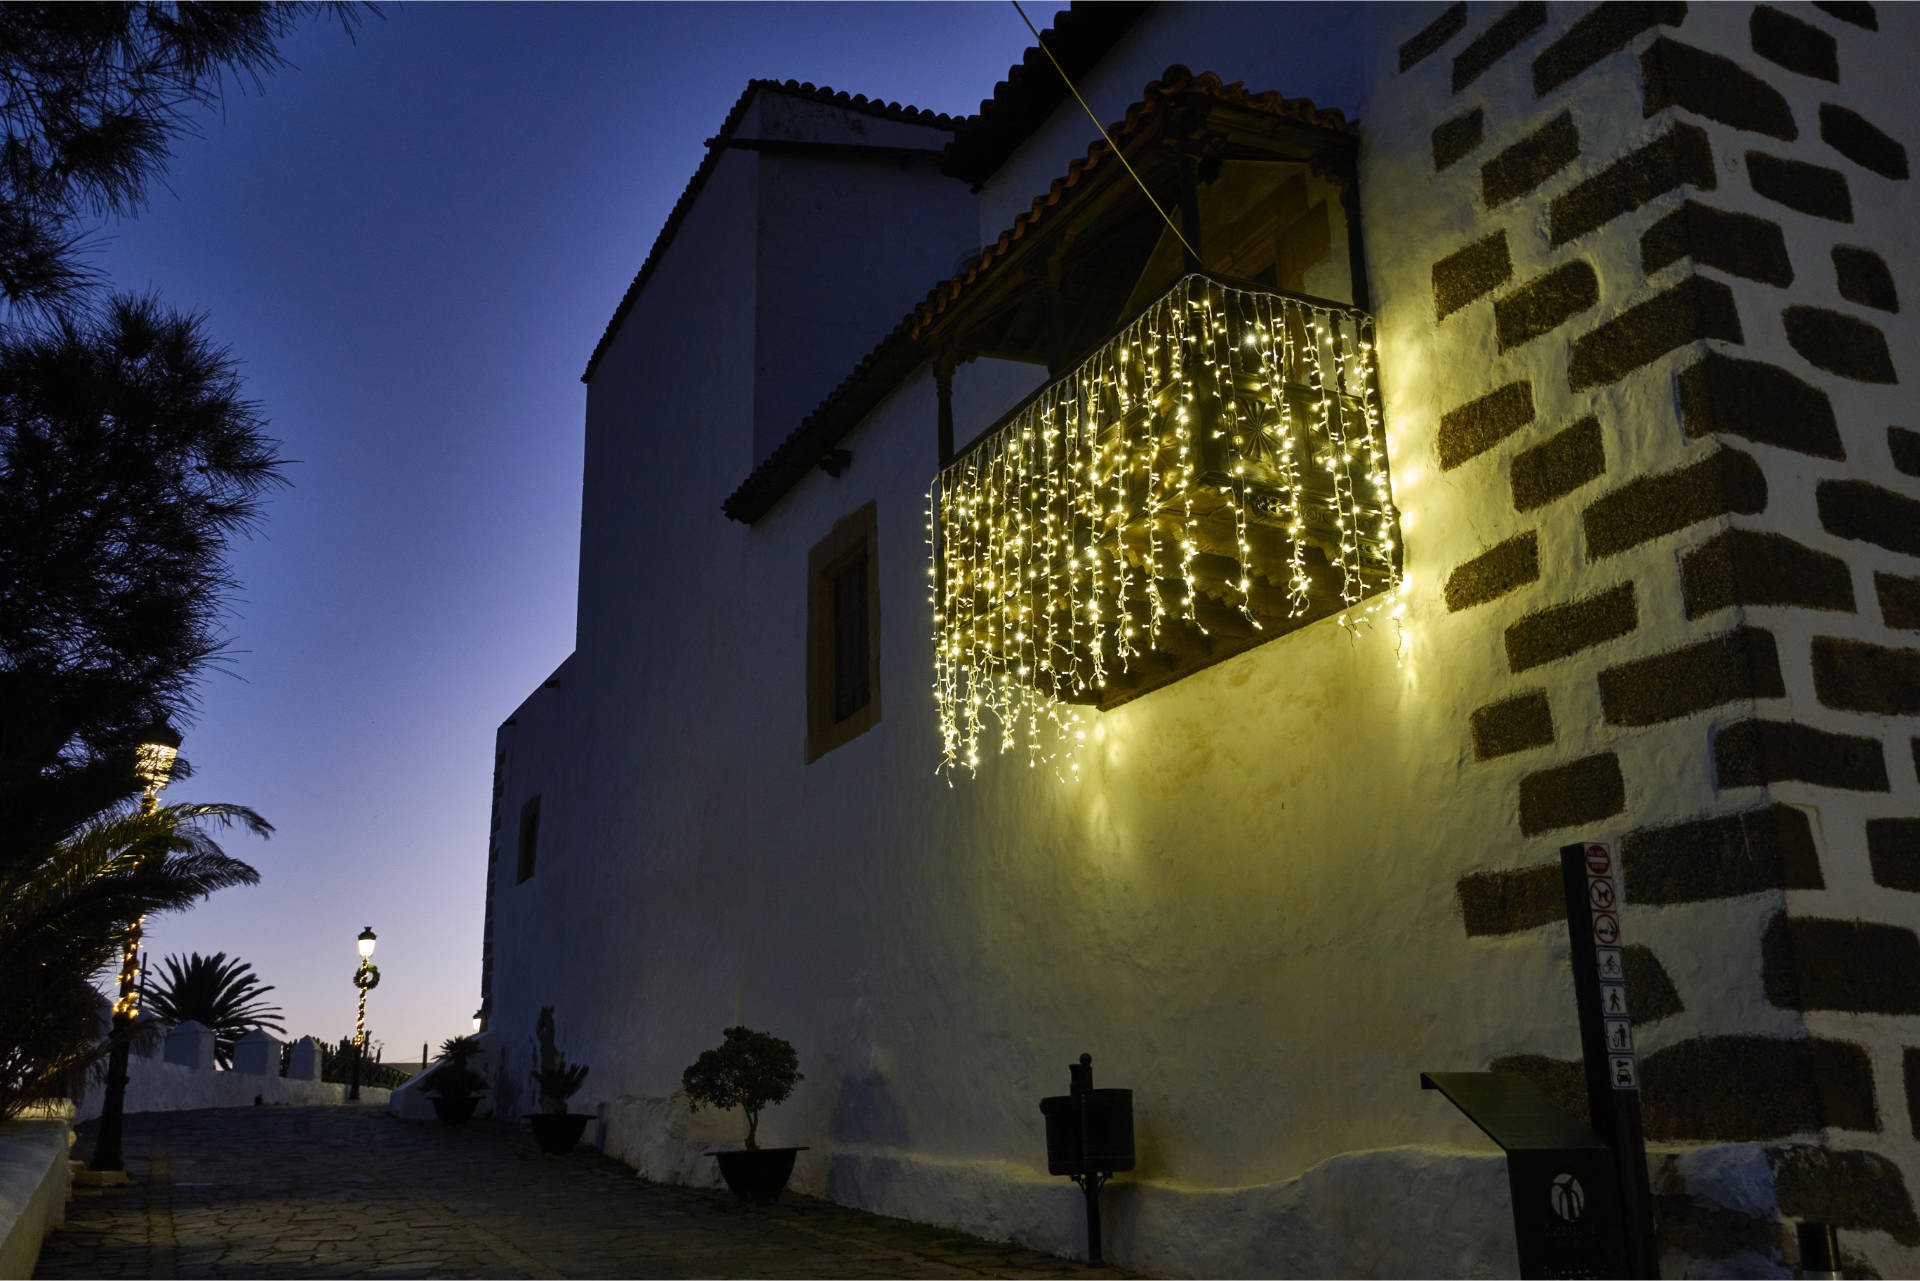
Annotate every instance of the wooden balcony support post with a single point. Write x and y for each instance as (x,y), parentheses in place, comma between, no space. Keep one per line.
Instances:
(943,364)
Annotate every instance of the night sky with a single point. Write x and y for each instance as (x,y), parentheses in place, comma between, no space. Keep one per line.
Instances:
(411,243)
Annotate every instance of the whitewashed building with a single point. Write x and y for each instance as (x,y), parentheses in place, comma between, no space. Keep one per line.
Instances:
(1011,627)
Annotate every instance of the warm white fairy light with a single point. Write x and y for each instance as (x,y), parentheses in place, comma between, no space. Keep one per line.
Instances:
(1067,542)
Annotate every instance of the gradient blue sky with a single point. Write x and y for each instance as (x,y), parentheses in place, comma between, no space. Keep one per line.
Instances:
(411,243)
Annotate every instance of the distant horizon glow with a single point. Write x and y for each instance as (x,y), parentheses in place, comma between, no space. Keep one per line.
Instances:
(411,242)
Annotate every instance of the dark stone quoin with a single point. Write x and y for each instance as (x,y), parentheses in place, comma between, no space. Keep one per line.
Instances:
(1558,465)
(1530,162)
(1479,425)
(1724,395)
(1452,20)
(1543,304)
(1737,243)
(1738,667)
(1859,140)
(1512,725)
(1470,273)
(1561,630)
(1781,38)
(1840,344)
(1454,139)
(1694,309)
(1494,572)
(1680,157)
(1812,189)
(1582,791)
(1673,74)
(1757,567)
(1726,482)
(1863,278)
(1507,33)
(1771,848)
(1869,514)
(1605,29)
(1755,753)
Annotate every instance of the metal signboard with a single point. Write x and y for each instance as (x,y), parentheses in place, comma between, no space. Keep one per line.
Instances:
(1591,875)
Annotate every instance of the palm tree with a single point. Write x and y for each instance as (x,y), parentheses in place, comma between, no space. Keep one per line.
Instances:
(221,994)
(67,916)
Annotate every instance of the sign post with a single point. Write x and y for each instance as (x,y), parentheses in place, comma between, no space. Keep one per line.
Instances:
(1590,875)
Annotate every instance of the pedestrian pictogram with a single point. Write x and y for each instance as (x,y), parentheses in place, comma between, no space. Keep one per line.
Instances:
(1599,861)
(1600,893)
(1606,929)
(1613,999)
(1569,1198)
(1612,970)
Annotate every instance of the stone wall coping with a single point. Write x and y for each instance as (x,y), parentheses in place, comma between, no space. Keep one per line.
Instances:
(35,1182)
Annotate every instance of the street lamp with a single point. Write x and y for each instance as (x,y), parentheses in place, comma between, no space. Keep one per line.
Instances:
(153,766)
(366,978)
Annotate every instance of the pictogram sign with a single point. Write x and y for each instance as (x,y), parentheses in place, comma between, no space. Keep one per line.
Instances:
(1603,899)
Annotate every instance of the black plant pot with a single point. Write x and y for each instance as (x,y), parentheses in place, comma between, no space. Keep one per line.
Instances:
(453,1110)
(558,1132)
(757,1174)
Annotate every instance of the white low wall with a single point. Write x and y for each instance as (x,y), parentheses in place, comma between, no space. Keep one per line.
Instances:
(1392,1212)
(410,1102)
(154,1085)
(34,1184)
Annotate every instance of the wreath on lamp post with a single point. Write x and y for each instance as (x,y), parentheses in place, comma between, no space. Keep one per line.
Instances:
(367,977)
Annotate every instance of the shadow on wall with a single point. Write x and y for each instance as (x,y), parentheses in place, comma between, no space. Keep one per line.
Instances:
(865,1112)
(508,1086)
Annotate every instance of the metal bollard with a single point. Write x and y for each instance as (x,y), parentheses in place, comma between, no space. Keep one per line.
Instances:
(1819,1251)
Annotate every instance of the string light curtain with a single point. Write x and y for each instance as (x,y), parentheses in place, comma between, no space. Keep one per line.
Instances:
(1219,462)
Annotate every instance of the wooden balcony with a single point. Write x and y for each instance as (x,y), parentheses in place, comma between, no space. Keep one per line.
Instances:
(1210,477)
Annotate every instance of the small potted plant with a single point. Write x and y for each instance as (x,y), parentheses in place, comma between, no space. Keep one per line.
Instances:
(748,1071)
(453,1086)
(554,1128)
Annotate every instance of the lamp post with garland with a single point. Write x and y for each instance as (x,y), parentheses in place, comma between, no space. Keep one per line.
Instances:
(153,765)
(366,978)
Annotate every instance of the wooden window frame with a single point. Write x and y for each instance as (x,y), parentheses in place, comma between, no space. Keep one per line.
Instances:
(853,535)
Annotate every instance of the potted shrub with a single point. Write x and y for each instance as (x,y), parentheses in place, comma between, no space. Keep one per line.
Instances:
(748,1071)
(554,1128)
(453,1086)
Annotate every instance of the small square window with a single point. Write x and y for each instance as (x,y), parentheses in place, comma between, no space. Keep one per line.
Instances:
(529,838)
(843,634)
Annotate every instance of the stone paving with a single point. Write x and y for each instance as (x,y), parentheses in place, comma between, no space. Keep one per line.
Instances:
(356,1192)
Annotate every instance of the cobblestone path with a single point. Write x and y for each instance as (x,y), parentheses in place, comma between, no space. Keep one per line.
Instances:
(355,1192)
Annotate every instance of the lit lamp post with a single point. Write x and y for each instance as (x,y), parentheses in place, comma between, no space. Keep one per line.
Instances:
(366,978)
(153,766)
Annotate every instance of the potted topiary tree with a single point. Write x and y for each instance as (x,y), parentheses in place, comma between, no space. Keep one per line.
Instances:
(453,1086)
(748,1071)
(554,1128)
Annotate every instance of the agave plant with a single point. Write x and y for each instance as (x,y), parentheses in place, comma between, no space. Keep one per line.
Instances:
(66,916)
(221,994)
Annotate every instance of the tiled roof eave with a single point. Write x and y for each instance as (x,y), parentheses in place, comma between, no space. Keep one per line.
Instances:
(856,396)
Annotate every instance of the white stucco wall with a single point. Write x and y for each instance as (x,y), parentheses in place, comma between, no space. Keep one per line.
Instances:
(35,1182)
(1245,910)
(155,1085)
(830,247)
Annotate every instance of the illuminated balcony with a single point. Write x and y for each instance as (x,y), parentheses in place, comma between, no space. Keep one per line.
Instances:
(1210,477)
